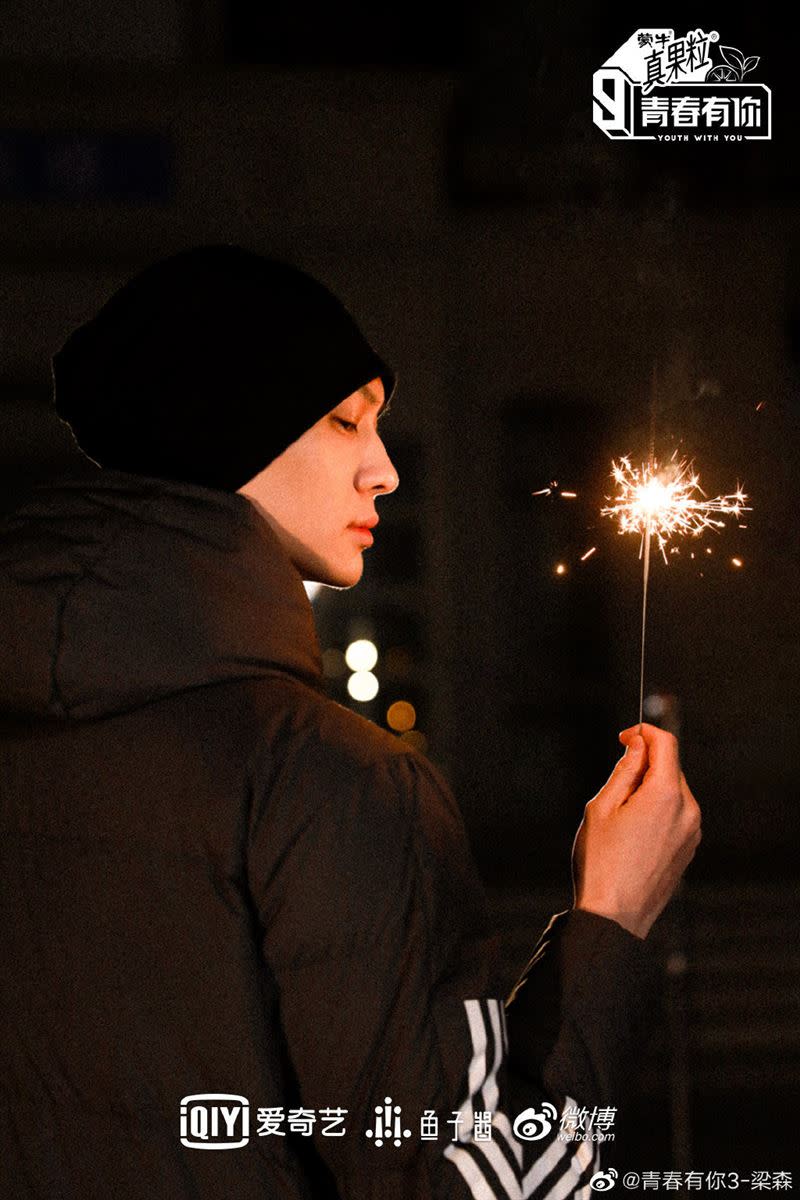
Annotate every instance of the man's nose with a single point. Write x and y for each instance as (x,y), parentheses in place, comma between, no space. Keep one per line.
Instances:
(377,473)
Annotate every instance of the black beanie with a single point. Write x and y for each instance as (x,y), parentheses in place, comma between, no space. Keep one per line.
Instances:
(207,365)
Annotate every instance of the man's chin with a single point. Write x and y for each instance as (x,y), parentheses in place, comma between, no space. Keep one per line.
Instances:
(339,578)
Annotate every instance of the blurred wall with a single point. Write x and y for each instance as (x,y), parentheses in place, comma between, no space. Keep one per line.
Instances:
(551,308)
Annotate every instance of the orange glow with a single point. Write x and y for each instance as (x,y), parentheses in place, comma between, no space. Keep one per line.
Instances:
(401,716)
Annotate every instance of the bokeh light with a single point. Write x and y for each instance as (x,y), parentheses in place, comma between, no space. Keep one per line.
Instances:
(401,716)
(361,655)
(363,686)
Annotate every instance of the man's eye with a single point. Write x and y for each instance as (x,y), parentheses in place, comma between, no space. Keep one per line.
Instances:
(345,424)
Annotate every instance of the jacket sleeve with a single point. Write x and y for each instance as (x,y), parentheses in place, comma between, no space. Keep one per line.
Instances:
(375,928)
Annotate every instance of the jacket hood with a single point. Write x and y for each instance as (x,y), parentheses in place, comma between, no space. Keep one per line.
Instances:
(116,590)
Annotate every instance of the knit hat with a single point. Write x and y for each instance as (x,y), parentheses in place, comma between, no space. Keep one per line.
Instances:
(207,365)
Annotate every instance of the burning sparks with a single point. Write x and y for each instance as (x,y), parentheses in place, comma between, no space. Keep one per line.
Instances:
(552,490)
(667,502)
(663,503)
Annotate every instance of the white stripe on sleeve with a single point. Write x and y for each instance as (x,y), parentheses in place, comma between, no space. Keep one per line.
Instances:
(477,1066)
(491,1095)
(470,1172)
(501,1167)
(586,1191)
(568,1181)
(488,1035)
(502,1123)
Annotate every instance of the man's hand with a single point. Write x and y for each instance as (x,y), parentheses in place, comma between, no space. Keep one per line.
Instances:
(638,834)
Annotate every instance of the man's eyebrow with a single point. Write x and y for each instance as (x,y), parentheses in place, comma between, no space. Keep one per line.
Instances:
(372,398)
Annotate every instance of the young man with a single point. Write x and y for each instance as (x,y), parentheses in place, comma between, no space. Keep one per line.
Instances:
(218,883)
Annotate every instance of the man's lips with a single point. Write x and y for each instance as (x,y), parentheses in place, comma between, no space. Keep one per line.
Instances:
(363,528)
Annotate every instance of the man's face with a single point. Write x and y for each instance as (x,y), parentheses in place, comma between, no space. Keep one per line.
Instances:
(319,495)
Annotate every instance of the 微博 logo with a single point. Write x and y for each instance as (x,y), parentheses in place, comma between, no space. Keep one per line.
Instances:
(532,1125)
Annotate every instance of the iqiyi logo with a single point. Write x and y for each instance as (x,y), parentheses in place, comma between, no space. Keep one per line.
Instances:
(215,1121)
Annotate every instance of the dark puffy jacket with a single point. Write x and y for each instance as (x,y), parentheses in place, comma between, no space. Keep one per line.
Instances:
(217,882)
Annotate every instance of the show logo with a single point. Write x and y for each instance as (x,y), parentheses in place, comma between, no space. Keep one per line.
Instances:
(659,87)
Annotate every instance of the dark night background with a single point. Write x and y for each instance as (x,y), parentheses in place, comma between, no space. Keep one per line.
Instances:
(438,167)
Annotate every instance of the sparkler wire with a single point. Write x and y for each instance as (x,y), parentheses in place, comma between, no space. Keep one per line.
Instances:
(646,579)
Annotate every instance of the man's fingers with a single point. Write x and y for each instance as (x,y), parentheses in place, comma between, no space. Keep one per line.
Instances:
(627,774)
(662,748)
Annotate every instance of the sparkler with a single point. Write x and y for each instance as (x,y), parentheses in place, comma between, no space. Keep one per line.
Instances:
(664,502)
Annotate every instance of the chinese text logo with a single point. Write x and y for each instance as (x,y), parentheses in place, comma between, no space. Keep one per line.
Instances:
(659,87)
